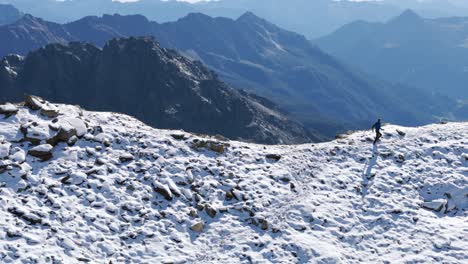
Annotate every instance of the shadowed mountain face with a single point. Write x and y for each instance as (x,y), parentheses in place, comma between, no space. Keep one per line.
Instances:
(253,54)
(138,77)
(428,53)
(9,14)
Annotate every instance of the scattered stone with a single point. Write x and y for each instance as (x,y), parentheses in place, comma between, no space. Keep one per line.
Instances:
(215,146)
(193,213)
(264,224)
(435,205)
(386,154)
(163,190)
(229,195)
(275,157)
(178,136)
(198,227)
(126,157)
(8,109)
(44,152)
(210,211)
(29,217)
(400,158)
(401,133)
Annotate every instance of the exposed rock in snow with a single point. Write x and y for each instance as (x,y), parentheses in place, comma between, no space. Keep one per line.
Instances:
(44,152)
(8,109)
(198,227)
(435,205)
(33,102)
(4,150)
(126,192)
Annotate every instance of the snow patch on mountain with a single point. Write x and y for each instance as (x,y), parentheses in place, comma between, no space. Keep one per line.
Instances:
(110,188)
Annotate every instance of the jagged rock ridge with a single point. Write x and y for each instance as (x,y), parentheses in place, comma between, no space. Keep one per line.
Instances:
(138,77)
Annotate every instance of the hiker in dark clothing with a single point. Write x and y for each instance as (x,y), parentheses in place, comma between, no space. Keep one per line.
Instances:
(377,127)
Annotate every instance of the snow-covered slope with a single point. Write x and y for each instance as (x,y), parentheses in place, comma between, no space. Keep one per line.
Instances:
(121,191)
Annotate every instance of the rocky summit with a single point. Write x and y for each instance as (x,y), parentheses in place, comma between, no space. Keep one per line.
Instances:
(79,186)
(157,85)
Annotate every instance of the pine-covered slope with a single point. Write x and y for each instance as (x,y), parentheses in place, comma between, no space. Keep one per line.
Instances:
(79,186)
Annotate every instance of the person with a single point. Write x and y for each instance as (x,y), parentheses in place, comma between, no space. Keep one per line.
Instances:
(377,127)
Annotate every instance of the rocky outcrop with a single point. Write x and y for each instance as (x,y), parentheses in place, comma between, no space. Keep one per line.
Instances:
(138,77)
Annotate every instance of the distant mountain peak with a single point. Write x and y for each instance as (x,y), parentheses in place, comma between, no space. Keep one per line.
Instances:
(250,17)
(407,16)
(195,16)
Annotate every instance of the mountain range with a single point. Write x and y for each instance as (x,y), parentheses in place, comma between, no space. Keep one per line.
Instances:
(311,18)
(431,54)
(159,86)
(253,54)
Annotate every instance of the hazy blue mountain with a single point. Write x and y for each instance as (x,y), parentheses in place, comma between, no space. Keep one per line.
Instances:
(429,53)
(29,33)
(160,87)
(310,18)
(9,14)
(251,53)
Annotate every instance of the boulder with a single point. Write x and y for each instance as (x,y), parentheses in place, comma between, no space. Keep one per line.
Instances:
(401,133)
(178,136)
(33,102)
(275,157)
(198,227)
(163,190)
(44,152)
(210,211)
(65,133)
(78,124)
(50,111)
(216,146)
(126,157)
(8,109)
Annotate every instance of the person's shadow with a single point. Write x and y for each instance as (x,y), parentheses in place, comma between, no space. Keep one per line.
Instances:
(367,175)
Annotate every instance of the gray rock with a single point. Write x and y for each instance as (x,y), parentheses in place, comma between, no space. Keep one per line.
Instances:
(8,109)
(275,157)
(216,146)
(401,133)
(44,152)
(65,134)
(126,157)
(163,190)
(33,102)
(435,205)
(210,211)
(198,227)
